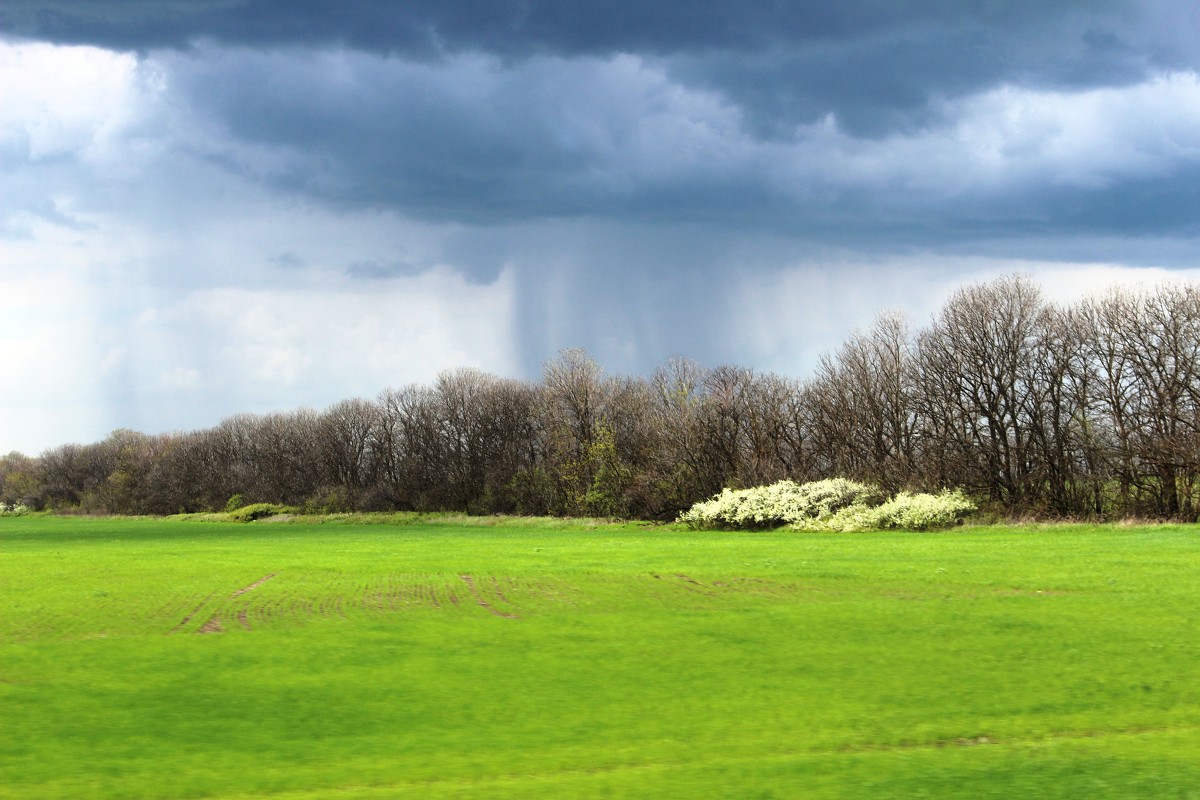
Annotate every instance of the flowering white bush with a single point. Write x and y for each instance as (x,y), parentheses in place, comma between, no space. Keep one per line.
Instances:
(782,503)
(835,504)
(905,511)
(922,512)
(14,510)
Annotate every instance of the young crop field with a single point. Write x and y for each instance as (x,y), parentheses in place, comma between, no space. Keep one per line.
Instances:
(183,658)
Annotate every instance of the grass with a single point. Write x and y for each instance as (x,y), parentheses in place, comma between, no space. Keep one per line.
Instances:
(437,659)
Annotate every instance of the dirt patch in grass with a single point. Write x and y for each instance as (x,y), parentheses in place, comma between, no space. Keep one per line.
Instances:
(252,586)
(192,613)
(214,625)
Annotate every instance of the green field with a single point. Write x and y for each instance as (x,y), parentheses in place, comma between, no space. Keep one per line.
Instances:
(166,658)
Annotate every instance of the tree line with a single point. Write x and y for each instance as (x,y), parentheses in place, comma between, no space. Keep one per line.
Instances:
(1089,409)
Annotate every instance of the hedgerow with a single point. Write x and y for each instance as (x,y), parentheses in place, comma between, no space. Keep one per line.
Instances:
(835,504)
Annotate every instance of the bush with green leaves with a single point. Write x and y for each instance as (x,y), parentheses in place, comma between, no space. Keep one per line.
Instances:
(835,504)
(329,500)
(256,511)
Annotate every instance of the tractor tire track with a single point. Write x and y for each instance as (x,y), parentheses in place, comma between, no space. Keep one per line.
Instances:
(470,582)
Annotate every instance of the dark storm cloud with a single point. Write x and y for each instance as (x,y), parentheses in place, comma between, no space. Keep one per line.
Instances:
(891,81)
(1138,207)
(872,63)
(502,111)
(524,27)
(515,27)
(470,141)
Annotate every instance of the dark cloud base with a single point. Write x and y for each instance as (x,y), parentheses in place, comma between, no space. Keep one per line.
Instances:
(876,65)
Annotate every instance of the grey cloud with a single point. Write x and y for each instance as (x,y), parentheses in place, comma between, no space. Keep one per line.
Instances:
(874,64)
(897,81)
(473,140)
(524,27)
(500,113)
(1137,207)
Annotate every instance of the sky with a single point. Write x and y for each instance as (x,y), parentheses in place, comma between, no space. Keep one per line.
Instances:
(210,207)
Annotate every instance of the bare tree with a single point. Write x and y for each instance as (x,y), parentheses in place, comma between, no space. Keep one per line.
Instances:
(574,395)
(978,381)
(345,433)
(283,457)
(862,408)
(573,408)
(407,447)
(18,479)
(1145,350)
(678,464)
(484,437)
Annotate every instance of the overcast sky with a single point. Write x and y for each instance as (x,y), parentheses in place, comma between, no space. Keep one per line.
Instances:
(209,208)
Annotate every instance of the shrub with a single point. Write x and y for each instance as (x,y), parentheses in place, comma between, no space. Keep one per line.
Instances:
(782,503)
(835,504)
(532,492)
(905,511)
(330,500)
(594,485)
(256,511)
(13,510)
(235,502)
(922,512)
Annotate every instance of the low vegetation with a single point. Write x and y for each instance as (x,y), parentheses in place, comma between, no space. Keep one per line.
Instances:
(905,511)
(256,511)
(782,503)
(831,505)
